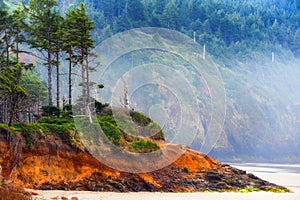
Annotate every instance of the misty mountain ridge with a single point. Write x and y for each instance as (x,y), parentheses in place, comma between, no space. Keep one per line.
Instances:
(256,45)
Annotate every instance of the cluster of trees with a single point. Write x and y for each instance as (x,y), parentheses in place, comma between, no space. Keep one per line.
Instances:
(230,28)
(51,38)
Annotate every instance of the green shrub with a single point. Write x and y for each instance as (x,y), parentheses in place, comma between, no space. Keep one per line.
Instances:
(100,106)
(63,131)
(139,118)
(17,127)
(111,132)
(67,111)
(29,130)
(143,146)
(4,126)
(50,111)
(56,120)
(109,119)
(186,170)
(67,107)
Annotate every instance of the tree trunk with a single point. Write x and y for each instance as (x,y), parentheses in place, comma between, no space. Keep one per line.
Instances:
(17,49)
(87,79)
(70,81)
(83,88)
(7,48)
(49,60)
(29,114)
(11,110)
(57,79)
(50,103)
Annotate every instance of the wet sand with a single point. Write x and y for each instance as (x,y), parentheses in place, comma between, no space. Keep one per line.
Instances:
(286,175)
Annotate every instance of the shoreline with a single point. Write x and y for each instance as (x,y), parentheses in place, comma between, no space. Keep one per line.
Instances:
(85,195)
(287,179)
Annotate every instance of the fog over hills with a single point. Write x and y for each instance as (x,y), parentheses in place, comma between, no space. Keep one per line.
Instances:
(256,46)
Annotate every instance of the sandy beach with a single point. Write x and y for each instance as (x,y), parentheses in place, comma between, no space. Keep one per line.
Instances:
(286,175)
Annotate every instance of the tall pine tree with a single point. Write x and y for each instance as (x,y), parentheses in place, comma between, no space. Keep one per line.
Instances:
(41,31)
(78,44)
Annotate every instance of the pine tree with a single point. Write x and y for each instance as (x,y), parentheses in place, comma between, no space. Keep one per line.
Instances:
(37,92)
(12,92)
(17,28)
(136,12)
(68,36)
(170,16)
(41,31)
(4,57)
(58,46)
(5,33)
(78,45)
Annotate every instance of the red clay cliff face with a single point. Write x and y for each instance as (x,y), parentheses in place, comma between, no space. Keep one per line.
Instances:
(51,164)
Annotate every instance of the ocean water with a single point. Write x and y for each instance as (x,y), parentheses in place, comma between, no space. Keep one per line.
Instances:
(285,175)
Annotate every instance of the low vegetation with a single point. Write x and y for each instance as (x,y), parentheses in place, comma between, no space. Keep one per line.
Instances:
(143,146)
(64,128)
(273,190)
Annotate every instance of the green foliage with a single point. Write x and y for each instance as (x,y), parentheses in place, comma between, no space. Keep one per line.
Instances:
(76,33)
(29,131)
(63,131)
(100,106)
(4,126)
(67,111)
(140,119)
(11,90)
(77,43)
(108,118)
(111,132)
(34,85)
(9,79)
(41,25)
(143,146)
(229,26)
(50,111)
(186,170)
(273,190)
(56,120)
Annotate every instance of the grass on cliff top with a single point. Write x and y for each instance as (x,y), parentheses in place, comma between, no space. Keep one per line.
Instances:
(143,146)
(124,134)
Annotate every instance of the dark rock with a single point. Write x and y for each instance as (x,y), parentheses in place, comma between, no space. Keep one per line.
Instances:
(211,176)
(252,176)
(222,185)
(46,186)
(137,189)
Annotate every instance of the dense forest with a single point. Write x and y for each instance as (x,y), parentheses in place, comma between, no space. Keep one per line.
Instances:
(230,28)
(255,43)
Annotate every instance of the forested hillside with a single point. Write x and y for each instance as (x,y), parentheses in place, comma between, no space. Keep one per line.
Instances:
(230,28)
(256,45)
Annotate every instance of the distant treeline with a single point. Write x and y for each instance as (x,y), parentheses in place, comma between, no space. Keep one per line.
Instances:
(230,28)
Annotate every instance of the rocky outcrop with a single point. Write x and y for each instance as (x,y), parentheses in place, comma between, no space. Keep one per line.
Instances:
(51,164)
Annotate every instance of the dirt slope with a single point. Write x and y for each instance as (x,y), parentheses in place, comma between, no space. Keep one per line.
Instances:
(51,164)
